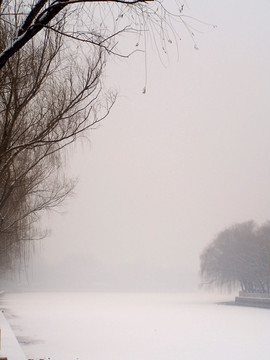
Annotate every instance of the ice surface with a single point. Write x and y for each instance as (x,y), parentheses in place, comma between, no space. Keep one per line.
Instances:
(90,326)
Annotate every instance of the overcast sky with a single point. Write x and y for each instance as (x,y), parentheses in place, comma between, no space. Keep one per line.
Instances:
(169,169)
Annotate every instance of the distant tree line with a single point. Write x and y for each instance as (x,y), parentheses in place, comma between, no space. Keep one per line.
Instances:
(239,257)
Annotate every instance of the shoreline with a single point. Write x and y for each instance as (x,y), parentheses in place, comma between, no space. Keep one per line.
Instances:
(10,347)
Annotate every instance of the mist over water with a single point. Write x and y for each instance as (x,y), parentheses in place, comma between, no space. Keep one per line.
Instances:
(137,326)
(163,174)
(171,168)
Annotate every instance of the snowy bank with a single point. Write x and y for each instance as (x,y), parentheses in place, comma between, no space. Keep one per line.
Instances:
(10,347)
(253,299)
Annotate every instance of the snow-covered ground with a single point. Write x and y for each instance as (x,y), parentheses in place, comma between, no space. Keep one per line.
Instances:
(10,347)
(91,326)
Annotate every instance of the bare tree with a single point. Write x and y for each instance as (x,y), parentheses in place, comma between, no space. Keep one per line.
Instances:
(97,22)
(46,102)
(49,96)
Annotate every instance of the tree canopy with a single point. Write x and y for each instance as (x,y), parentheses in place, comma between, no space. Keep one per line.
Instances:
(94,22)
(239,256)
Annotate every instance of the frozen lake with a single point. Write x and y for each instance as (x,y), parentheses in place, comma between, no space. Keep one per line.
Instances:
(91,326)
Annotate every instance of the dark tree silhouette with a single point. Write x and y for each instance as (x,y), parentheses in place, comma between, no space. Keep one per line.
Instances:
(97,22)
(239,257)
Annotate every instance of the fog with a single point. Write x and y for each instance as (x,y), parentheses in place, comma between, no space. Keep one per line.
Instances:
(168,169)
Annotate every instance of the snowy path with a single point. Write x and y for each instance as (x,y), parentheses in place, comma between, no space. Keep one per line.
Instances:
(10,347)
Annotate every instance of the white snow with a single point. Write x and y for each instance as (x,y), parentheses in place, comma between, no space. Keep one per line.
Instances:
(70,326)
(10,347)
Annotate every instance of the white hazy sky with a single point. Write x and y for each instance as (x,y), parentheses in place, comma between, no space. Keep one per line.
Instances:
(168,170)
